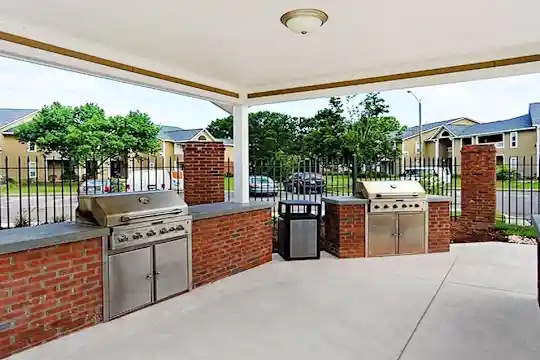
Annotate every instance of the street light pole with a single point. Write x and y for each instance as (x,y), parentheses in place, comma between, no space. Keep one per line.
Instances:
(419,124)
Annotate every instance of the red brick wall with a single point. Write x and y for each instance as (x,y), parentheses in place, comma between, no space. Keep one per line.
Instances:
(478,194)
(439,227)
(226,245)
(344,227)
(49,292)
(204,172)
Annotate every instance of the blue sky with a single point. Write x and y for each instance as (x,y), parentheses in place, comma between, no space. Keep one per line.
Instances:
(26,85)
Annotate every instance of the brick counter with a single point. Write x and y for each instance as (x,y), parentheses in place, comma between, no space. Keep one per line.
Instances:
(439,227)
(49,292)
(225,245)
(344,227)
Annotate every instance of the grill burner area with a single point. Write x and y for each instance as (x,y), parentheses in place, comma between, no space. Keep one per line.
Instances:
(397,217)
(148,251)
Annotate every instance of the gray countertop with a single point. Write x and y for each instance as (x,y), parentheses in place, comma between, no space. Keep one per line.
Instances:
(353,200)
(33,237)
(207,211)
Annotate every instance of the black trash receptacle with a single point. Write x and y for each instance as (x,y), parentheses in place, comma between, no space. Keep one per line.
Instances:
(299,229)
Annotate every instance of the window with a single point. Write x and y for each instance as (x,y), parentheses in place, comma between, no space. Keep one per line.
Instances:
(31,147)
(32,170)
(417,147)
(514,139)
(152,164)
(202,138)
(445,134)
(178,149)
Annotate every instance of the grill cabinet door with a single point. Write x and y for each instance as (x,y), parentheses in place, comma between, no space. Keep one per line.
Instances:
(411,233)
(171,268)
(130,275)
(382,234)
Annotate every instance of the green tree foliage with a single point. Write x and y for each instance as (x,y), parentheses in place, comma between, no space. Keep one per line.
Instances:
(372,135)
(85,133)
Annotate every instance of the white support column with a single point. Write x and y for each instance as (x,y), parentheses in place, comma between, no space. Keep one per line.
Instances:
(241,153)
(437,151)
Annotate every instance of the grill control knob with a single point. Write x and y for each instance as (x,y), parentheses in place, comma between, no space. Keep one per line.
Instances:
(376,206)
(163,230)
(179,227)
(151,233)
(404,205)
(416,205)
(122,238)
(385,206)
(171,228)
(395,206)
(137,235)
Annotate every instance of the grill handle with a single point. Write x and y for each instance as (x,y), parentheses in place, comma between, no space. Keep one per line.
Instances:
(127,218)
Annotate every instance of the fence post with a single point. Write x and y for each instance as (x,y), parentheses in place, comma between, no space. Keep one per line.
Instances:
(354,174)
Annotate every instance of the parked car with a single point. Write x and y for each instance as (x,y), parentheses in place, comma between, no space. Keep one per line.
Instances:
(101,186)
(262,185)
(442,173)
(305,183)
(154,179)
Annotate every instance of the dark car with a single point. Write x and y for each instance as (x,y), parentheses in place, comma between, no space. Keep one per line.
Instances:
(305,183)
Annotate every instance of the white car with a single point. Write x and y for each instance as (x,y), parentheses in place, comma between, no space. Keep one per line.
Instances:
(416,173)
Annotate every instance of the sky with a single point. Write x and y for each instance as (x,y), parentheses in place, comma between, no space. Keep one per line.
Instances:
(27,85)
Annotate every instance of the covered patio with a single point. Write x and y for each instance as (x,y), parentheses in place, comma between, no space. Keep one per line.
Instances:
(239,53)
(476,302)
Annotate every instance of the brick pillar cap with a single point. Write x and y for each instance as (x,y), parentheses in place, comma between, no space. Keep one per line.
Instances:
(487,149)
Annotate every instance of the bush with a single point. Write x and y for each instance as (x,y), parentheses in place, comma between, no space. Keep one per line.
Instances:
(21,221)
(506,173)
(432,185)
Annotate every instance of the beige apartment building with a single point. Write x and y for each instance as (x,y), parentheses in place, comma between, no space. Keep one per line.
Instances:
(36,166)
(515,139)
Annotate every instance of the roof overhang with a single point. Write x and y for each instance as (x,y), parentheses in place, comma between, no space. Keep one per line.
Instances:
(496,132)
(248,57)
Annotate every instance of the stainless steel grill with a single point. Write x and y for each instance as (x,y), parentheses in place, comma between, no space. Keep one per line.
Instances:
(397,217)
(148,252)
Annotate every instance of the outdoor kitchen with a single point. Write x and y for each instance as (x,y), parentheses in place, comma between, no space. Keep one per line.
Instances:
(387,218)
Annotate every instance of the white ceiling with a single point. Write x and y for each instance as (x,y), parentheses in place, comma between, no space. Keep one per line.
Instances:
(240,45)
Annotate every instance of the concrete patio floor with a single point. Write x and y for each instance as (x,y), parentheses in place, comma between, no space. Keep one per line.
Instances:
(476,302)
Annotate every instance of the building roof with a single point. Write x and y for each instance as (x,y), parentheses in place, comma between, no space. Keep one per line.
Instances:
(520,122)
(10,115)
(174,133)
(426,127)
(534,113)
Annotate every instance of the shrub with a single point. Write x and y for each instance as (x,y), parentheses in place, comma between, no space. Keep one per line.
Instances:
(21,221)
(506,173)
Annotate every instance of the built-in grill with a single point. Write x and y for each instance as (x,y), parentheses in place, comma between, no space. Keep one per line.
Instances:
(148,251)
(397,217)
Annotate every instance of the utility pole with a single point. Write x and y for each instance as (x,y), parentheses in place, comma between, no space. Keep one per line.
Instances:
(419,124)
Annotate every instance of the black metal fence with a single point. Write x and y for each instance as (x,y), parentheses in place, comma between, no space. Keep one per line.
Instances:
(36,190)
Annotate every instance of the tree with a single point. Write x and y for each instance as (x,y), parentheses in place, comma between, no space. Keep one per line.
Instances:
(221,128)
(372,135)
(323,134)
(85,133)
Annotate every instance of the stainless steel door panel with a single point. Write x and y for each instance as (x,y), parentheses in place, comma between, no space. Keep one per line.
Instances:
(130,276)
(171,268)
(411,234)
(303,238)
(382,235)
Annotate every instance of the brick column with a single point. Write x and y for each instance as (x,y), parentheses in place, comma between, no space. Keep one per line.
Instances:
(204,172)
(439,227)
(478,194)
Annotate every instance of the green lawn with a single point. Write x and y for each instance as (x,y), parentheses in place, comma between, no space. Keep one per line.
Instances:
(40,189)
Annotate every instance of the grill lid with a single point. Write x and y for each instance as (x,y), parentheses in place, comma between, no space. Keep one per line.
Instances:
(128,208)
(399,189)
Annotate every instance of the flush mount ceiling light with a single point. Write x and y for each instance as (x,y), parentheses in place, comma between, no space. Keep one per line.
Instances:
(304,21)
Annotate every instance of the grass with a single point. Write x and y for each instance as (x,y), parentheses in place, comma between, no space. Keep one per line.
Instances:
(511,229)
(33,189)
